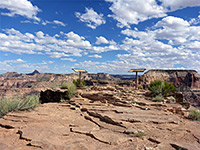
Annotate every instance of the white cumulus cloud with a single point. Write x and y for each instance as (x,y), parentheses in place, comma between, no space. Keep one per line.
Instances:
(59,23)
(128,12)
(76,40)
(91,18)
(101,40)
(95,56)
(69,59)
(57,46)
(20,7)
(172,5)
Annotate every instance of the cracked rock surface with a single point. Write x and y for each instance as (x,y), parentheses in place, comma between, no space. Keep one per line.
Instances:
(89,123)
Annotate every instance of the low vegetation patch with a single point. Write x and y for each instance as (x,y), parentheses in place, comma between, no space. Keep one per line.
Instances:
(71,90)
(140,134)
(194,115)
(161,88)
(79,83)
(18,104)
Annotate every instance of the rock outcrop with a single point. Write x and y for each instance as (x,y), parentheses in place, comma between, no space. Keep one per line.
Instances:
(186,81)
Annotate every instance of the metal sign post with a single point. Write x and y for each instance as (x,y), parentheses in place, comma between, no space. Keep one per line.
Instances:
(136,71)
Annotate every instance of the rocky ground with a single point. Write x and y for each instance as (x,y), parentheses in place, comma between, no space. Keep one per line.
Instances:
(100,118)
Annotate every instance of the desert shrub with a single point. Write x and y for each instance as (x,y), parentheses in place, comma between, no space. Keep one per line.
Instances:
(71,90)
(194,115)
(161,88)
(64,86)
(29,102)
(18,103)
(158,98)
(140,134)
(79,83)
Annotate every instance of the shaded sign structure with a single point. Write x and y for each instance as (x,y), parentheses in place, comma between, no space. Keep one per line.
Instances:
(79,71)
(136,71)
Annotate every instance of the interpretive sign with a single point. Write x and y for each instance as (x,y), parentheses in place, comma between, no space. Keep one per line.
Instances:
(136,71)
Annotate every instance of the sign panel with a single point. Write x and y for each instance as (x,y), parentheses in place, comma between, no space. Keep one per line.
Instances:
(137,70)
(79,70)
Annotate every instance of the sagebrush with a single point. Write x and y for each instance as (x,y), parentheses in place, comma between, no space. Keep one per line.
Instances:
(161,88)
(71,90)
(194,115)
(18,104)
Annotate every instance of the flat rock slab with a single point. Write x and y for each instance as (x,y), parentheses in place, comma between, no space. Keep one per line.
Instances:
(131,115)
(55,126)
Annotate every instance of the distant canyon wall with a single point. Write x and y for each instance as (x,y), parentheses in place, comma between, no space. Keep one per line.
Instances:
(12,83)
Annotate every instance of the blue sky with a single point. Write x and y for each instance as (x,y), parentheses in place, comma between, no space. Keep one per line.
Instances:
(109,36)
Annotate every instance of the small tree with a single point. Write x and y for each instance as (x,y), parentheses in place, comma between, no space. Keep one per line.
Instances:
(161,88)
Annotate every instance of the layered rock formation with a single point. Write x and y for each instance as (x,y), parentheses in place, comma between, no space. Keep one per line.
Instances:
(13,83)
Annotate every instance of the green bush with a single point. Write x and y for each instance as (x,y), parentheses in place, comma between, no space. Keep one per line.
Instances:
(158,98)
(71,90)
(194,115)
(161,88)
(78,84)
(18,104)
